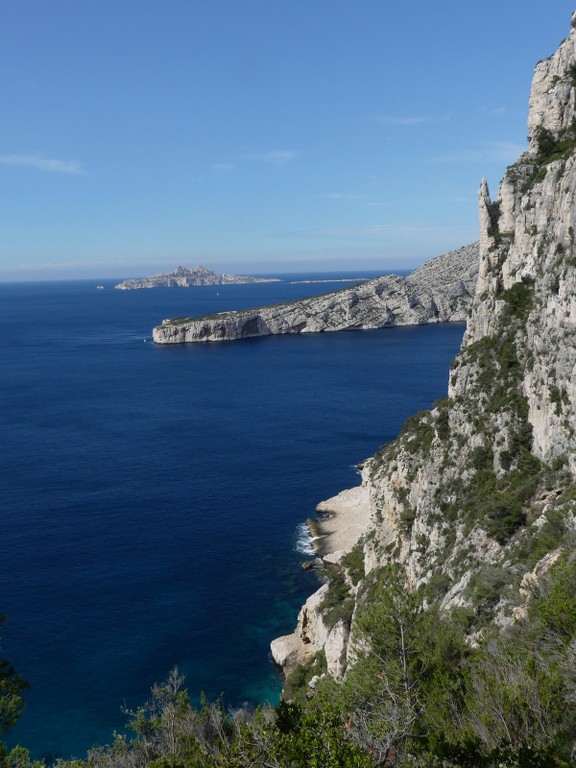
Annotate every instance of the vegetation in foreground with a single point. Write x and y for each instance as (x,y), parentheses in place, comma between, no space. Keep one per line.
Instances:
(419,695)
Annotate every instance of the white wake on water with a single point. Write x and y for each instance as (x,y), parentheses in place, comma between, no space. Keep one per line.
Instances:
(304,540)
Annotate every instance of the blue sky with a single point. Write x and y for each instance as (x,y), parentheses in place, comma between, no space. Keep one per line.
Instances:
(256,135)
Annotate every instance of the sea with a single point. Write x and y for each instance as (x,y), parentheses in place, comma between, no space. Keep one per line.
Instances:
(154,498)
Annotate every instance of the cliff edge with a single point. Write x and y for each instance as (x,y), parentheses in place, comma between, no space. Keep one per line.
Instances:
(475,500)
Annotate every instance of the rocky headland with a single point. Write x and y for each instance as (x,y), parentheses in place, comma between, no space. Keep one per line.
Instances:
(475,500)
(183,277)
(439,291)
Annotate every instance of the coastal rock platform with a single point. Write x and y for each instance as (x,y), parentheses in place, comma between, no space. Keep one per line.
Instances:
(344,519)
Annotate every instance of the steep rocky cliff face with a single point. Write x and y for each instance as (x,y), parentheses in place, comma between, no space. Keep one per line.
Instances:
(439,291)
(476,499)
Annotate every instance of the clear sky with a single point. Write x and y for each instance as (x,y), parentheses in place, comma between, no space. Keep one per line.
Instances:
(256,135)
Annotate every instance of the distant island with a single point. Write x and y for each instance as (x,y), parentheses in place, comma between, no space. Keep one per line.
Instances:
(183,277)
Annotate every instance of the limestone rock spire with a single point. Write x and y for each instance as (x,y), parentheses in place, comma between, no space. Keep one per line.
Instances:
(485,219)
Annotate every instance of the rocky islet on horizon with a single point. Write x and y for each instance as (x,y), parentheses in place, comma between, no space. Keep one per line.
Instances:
(183,277)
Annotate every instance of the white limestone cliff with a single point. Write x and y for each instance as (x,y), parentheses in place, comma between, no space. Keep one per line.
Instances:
(467,489)
(439,291)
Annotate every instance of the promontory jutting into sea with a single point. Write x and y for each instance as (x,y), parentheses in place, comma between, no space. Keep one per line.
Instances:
(157,493)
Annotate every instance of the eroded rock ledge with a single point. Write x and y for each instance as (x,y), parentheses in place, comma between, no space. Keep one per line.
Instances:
(439,291)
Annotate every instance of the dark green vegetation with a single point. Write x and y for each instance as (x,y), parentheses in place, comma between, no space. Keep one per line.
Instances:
(421,696)
(555,147)
(490,485)
(11,706)
(551,147)
(424,696)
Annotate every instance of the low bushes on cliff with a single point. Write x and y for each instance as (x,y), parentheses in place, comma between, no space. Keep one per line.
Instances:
(419,696)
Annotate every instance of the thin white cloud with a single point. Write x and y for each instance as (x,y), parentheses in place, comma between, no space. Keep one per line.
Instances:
(278,156)
(222,167)
(337,196)
(398,120)
(378,231)
(497,152)
(497,111)
(42,163)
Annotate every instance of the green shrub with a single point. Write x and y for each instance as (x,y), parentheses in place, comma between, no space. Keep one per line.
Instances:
(338,602)
(555,609)
(296,684)
(481,457)
(436,586)
(555,398)
(539,541)
(354,564)
(487,585)
(519,298)
(418,432)
(504,515)
(443,418)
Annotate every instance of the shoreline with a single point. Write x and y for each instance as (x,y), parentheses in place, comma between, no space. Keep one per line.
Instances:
(343,520)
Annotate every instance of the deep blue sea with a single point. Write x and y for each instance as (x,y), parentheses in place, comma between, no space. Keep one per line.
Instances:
(153,497)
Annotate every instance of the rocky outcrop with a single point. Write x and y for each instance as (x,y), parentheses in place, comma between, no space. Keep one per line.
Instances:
(477,498)
(182,277)
(344,521)
(439,291)
(552,97)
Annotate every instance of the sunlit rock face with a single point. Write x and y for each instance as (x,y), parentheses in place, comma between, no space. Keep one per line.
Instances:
(459,498)
(440,291)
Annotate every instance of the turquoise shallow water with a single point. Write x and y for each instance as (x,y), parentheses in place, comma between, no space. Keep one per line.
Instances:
(152,496)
